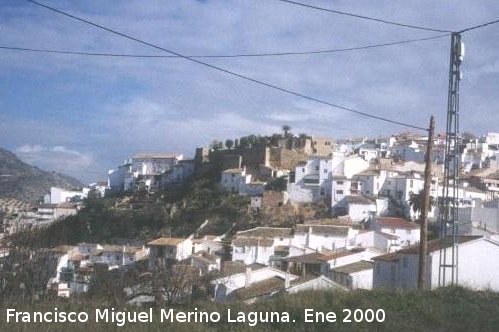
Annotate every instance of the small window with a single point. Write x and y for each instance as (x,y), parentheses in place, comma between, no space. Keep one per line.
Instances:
(339,183)
(339,192)
(393,231)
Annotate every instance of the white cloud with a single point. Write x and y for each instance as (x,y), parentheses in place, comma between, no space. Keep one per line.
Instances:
(56,158)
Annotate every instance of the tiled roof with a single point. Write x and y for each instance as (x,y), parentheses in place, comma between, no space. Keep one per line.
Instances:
(332,230)
(261,288)
(268,232)
(319,257)
(388,222)
(167,241)
(230,268)
(354,267)
(252,241)
(353,199)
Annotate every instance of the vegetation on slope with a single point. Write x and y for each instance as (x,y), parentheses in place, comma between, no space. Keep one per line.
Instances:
(448,309)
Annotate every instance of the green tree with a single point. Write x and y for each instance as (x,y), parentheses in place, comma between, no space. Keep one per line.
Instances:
(416,202)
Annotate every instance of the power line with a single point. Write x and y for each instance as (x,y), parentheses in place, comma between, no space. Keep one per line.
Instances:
(275,87)
(479,26)
(363,16)
(241,55)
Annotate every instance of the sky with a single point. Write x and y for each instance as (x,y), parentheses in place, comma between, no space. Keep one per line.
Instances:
(83,115)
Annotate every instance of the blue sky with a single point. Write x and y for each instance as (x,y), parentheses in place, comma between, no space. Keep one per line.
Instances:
(83,115)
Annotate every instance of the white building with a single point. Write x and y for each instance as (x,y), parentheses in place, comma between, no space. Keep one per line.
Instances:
(311,181)
(234,179)
(354,275)
(478,265)
(60,195)
(358,208)
(323,237)
(408,232)
(142,171)
(170,249)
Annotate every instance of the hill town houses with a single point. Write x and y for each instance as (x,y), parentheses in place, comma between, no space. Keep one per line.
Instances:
(366,237)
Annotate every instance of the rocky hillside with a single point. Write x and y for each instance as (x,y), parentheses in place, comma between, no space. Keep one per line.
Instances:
(28,183)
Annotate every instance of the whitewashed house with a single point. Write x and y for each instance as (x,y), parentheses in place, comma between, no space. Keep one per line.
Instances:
(311,181)
(478,265)
(142,171)
(354,275)
(408,232)
(323,237)
(257,245)
(249,250)
(359,208)
(234,179)
(61,195)
(236,276)
(170,249)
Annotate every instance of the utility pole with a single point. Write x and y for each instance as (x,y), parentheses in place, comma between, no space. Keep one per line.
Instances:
(448,210)
(423,242)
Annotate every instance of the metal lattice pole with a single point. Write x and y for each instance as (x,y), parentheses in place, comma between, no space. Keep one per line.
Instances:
(448,210)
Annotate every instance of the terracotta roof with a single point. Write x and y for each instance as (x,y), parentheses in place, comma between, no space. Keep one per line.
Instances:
(354,267)
(352,199)
(167,241)
(268,232)
(328,221)
(261,288)
(387,222)
(333,230)
(252,241)
(230,268)
(319,257)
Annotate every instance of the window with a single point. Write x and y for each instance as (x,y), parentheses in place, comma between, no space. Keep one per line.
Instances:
(411,183)
(339,183)
(316,168)
(393,231)
(408,231)
(339,192)
(325,170)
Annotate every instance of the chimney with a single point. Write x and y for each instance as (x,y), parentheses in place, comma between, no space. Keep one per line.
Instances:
(287,281)
(247,281)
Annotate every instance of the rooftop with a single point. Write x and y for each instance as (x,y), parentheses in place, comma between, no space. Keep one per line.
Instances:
(352,199)
(261,288)
(332,230)
(230,268)
(268,232)
(167,241)
(354,267)
(252,241)
(433,245)
(388,222)
(319,257)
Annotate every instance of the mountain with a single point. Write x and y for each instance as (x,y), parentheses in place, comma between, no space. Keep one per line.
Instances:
(28,183)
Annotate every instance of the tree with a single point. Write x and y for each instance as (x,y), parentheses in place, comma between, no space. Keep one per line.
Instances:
(229,144)
(416,202)
(286,130)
